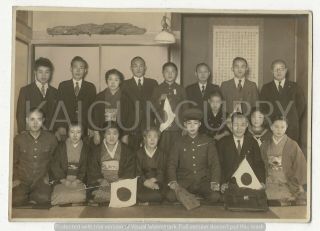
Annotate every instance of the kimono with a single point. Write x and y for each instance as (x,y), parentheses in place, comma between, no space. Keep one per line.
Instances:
(286,169)
(109,166)
(150,167)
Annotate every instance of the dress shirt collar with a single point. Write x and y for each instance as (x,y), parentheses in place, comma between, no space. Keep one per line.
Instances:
(236,141)
(281,83)
(136,79)
(236,81)
(77,81)
(39,85)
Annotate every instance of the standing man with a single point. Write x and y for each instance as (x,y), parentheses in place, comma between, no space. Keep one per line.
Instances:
(240,93)
(199,92)
(38,94)
(74,98)
(286,98)
(134,113)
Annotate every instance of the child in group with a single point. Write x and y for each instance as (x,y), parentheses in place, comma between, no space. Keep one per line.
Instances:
(200,91)
(285,164)
(32,152)
(237,146)
(110,162)
(150,168)
(239,93)
(106,106)
(69,167)
(214,123)
(38,94)
(258,128)
(75,95)
(174,94)
(193,163)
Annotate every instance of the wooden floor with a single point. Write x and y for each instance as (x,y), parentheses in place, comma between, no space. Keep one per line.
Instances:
(156,211)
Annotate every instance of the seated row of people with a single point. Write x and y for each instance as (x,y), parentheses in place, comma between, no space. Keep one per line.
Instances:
(195,162)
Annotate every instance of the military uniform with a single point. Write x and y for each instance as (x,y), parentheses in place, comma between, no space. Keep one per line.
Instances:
(194,164)
(31,159)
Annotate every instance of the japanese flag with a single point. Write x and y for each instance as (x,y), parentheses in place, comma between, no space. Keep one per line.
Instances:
(245,176)
(168,114)
(123,193)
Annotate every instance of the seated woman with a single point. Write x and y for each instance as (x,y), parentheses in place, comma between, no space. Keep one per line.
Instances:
(69,168)
(257,127)
(150,168)
(285,165)
(110,162)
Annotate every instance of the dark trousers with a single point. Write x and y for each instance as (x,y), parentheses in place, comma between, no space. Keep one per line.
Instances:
(145,194)
(202,188)
(39,193)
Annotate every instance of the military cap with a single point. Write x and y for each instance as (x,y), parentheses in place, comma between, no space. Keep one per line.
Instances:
(192,114)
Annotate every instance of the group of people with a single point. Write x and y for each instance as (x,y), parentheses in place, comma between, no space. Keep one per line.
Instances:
(166,135)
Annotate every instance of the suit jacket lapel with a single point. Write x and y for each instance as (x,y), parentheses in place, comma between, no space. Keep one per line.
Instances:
(134,87)
(71,88)
(36,89)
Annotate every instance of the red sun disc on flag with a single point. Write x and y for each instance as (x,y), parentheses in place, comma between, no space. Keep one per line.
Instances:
(123,194)
(246,179)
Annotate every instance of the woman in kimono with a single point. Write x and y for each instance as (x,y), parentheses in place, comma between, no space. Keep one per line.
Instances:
(107,103)
(285,165)
(110,162)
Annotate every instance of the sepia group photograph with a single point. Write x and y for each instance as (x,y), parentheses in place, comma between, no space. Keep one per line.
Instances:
(160,115)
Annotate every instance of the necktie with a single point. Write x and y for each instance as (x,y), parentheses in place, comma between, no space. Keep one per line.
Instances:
(239,85)
(280,88)
(77,89)
(239,147)
(202,90)
(139,84)
(43,91)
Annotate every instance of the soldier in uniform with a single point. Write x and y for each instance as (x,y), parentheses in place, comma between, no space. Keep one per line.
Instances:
(32,153)
(193,162)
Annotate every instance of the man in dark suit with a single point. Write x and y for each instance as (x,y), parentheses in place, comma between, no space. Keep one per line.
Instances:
(234,148)
(240,93)
(74,98)
(38,94)
(135,116)
(286,98)
(199,92)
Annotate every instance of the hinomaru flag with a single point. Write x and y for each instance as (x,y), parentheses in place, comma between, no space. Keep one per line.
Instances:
(168,114)
(245,176)
(123,193)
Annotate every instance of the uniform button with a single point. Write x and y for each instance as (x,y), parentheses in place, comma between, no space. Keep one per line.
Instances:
(35,149)
(35,157)
(184,149)
(193,157)
(193,142)
(193,149)
(194,172)
(36,141)
(194,164)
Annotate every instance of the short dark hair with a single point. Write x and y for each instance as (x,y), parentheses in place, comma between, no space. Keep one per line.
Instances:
(238,115)
(43,62)
(239,59)
(114,72)
(147,130)
(279,117)
(169,64)
(74,124)
(204,65)
(137,58)
(79,59)
(36,109)
(111,124)
(215,94)
(278,61)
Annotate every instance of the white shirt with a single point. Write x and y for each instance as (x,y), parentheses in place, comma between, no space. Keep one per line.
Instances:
(137,80)
(281,83)
(150,154)
(39,85)
(236,141)
(112,153)
(236,81)
(77,81)
(201,85)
